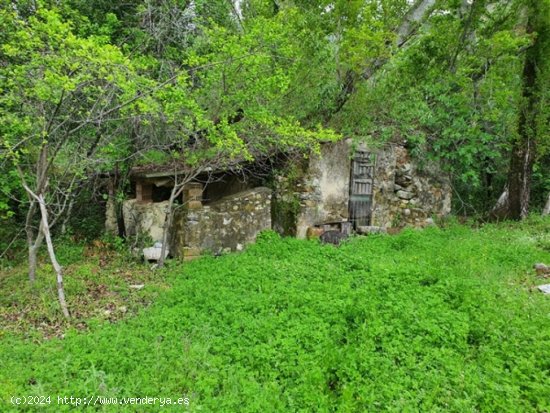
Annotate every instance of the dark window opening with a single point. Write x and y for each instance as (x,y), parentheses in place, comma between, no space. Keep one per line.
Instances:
(161,193)
(226,185)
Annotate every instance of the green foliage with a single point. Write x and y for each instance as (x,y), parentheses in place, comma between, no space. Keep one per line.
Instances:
(153,156)
(285,204)
(433,320)
(75,104)
(273,77)
(454,93)
(87,219)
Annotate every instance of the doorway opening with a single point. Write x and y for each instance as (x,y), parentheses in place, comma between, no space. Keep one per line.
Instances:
(361,185)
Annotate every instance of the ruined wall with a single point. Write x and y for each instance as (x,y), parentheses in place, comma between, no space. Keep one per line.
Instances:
(144,218)
(225,225)
(403,193)
(321,194)
(225,186)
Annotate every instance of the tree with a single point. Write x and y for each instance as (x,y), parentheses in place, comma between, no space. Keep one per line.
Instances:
(532,123)
(235,114)
(452,92)
(59,95)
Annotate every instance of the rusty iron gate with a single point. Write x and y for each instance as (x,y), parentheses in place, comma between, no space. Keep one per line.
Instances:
(361,183)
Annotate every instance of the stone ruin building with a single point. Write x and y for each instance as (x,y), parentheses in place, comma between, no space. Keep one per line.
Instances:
(344,188)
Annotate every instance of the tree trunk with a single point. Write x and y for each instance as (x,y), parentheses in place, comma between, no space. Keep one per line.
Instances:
(414,16)
(58,270)
(546,210)
(167,225)
(32,255)
(500,210)
(67,218)
(524,147)
(176,190)
(34,246)
(519,178)
(33,243)
(31,240)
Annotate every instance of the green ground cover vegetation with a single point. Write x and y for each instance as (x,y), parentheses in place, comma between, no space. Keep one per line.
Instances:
(435,320)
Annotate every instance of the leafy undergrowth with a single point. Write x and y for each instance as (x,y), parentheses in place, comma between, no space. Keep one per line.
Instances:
(433,320)
(99,284)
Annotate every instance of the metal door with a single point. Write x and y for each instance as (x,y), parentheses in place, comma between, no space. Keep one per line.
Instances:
(361,182)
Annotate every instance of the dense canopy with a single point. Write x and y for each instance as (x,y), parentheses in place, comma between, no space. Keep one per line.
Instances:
(93,86)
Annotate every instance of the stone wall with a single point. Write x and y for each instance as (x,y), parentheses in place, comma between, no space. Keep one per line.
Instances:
(320,194)
(144,218)
(403,193)
(225,225)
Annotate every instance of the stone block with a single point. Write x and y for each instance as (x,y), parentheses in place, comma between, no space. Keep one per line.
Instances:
(370,229)
(194,204)
(191,252)
(194,194)
(405,194)
(154,253)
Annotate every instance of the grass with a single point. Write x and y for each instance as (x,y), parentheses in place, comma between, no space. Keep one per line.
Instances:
(97,282)
(436,320)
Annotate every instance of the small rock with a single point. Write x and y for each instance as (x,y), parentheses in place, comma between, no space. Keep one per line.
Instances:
(403,179)
(541,269)
(153,253)
(545,288)
(430,222)
(405,194)
(192,217)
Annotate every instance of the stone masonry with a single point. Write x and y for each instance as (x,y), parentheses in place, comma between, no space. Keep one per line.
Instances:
(222,226)
(403,193)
